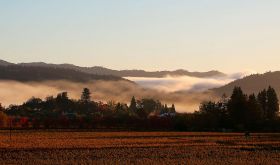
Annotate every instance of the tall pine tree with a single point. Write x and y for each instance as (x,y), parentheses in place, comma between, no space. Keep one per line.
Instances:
(238,108)
(262,99)
(272,104)
(254,112)
(132,106)
(85,97)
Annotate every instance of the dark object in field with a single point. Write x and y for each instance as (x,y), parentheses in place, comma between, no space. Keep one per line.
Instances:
(247,134)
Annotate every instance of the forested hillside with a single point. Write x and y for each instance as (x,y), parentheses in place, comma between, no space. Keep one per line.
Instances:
(35,73)
(97,70)
(253,83)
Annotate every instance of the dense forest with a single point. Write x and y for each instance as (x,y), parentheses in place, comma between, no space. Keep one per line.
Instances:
(239,112)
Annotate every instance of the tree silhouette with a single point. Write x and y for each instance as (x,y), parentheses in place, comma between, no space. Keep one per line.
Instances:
(210,112)
(172,109)
(272,103)
(148,105)
(61,97)
(254,115)
(133,105)
(1,108)
(237,113)
(63,102)
(85,97)
(262,99)
(237,107)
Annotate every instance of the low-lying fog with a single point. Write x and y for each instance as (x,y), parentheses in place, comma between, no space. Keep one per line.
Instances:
(175,84)
(17,92)
(186,83)
(185,92)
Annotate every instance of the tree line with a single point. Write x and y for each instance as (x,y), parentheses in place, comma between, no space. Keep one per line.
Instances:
(239,112)
(242,112)
(63,112)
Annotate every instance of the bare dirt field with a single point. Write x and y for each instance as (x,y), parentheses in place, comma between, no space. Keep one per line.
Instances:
(70,147)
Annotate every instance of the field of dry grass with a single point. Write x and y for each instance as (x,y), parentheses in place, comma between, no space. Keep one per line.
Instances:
(54,147)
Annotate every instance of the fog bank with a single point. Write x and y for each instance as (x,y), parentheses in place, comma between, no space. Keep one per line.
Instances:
(12,92)
(187,83)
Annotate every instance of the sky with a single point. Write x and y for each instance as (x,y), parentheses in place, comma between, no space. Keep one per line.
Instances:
(201,35)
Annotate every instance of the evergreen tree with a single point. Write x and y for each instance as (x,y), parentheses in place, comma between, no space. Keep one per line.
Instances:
(254,113)
(237,107)
(49,104)
(212,113)
(133,105)
(63,102)
(61,97)
(86,96)
(272,104)
(262,99)
(119,107)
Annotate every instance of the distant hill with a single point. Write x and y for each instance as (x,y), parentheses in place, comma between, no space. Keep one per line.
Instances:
(253,83)
(37,73)
(96,70)
(4,63)
(158,74)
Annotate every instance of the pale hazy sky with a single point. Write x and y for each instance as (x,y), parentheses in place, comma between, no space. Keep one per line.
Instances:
(226,35)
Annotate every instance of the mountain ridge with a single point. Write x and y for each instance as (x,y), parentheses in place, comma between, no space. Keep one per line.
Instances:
(98,70)
(5,63)
(252,84)
(38,74)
